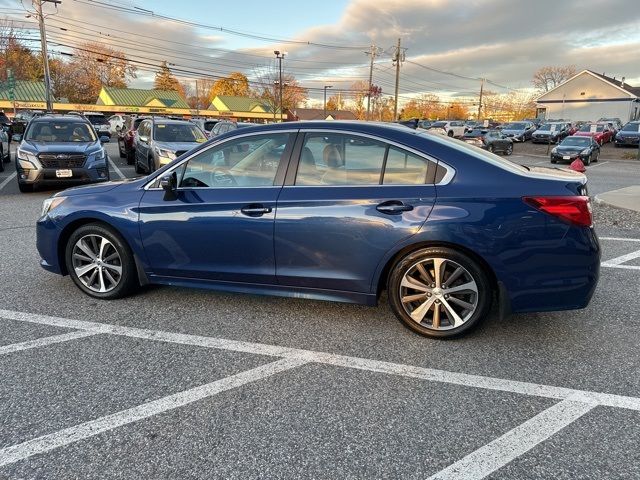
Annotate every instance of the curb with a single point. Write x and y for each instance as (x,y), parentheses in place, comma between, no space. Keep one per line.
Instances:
(600,201)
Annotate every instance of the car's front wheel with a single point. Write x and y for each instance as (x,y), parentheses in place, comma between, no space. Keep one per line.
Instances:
(509,150)
(100,262)
(439,292)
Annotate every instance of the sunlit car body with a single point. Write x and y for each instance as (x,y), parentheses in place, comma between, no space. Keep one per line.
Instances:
(600,132)
(337,211)
(573,147)
(491,140)
(60,150)
(551,132)
(159,141)
(519,131)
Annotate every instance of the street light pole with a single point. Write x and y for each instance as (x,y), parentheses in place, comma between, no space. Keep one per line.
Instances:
(45,56)
(325,100)
(280,56)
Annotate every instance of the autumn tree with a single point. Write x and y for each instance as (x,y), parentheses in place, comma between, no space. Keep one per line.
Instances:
(426,106)
(359,92)
(25,64)
(94,65)
(165,80)
(292,93)
(335,102)
(549,77)
(236,84)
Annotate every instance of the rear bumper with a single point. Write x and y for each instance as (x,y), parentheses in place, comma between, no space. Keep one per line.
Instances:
(564,278)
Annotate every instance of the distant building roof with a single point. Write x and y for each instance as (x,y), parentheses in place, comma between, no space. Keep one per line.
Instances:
(240,104)
(319,114)
(618,82)
(24,91)
(138,97)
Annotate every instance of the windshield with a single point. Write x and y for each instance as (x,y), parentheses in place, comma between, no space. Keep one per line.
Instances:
(56,132)
(178,132)
(550,126)
(97,119)
(575,142)
(515,126)
(438,124)
(588,128)
(476,132)
(631,127)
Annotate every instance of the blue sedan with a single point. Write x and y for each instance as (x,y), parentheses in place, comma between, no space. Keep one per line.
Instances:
(337,211)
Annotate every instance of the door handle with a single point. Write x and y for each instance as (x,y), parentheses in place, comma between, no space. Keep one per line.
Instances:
(393,207)
(255,210)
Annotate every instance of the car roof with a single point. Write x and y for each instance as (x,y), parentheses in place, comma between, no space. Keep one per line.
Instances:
(64,118)
(167,120)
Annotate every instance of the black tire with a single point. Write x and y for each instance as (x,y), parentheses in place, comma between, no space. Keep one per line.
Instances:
(128,281)
(7,159)
(25,187)
(137,166)
(553,161)
(406,264)
(596,156)
(587,161)
(123,154)
(130,158)
(150,165)
(1,160)
(616,145)
(450,133)
(509,150)
(490,148)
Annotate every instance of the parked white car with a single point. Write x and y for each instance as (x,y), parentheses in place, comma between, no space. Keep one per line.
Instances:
(116,123)
(453,128)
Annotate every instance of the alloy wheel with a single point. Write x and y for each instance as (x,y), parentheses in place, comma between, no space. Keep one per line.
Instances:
(439,294)
(97,263)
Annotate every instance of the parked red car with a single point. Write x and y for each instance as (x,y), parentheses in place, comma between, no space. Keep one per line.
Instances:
(125,138)
(600,132)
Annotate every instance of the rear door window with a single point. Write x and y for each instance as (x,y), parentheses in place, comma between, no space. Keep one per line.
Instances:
(405,168)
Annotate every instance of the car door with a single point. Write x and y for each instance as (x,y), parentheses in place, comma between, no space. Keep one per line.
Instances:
(142,142)
(219,224)
(346,202)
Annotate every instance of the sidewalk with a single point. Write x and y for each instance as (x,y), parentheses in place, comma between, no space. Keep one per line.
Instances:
(628,197)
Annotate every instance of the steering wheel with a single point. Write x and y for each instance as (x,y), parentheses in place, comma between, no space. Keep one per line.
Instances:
(221,176)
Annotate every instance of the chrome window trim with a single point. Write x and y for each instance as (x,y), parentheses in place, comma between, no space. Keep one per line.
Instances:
(445,180)
(147,186)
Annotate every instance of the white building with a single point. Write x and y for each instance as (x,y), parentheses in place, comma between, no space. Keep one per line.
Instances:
(589,96)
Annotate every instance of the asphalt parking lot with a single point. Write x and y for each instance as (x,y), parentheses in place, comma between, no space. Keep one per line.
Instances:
(177,383)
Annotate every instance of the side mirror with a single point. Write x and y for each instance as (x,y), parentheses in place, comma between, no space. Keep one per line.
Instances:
(104,139)
(16,138)
(169,183)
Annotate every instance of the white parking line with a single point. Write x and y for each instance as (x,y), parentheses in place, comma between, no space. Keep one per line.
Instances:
(91,428)
(8,179)
(620,239)
(41,342)
(514,443)
(598,165)
(429,374)
(619,261)
(115,167)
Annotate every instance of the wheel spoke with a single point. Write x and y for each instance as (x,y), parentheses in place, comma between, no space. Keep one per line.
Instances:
(115,268)
(423,273)
(103,244)
(103,288)
(438,270)
(82,271)
(110,257)
(454,276)
(410,282)
(419,313)
(452,315)
(84,258)
(462,303)
(465,287)
(413,298)
(436,316)
(86,249)
(110,277)
(92,278)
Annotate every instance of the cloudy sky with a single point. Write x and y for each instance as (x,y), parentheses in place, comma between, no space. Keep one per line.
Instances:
(503,41)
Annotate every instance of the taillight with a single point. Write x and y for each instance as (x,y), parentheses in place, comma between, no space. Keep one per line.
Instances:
(572,209)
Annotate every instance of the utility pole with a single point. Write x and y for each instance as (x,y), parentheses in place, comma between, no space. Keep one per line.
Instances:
(398,58)
(197,99)
(45,56)
(373,52)
(280,56)
(480,102)
(325,100)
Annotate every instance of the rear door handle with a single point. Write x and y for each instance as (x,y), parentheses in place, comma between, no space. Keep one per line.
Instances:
(255,210)
(393,207)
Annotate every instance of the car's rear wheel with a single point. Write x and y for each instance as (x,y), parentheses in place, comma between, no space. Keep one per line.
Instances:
(100,262)
(121,151)
(490,148)
(450,133)
(439,292)
(509,150)
(587,161)
(137,166)
(130,158)
(25,187)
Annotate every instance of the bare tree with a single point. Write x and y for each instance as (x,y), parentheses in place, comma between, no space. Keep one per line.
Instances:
(548,78)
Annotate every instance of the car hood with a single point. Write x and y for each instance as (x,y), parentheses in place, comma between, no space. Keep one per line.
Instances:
(629,134)
(512,132)
(97,188)
(177,146)
(62,147)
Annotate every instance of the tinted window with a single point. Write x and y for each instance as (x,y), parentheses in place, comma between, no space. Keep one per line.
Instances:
(242,162)
(53,131)
(336,159)
(631,127)
(97,119)
(404,168)
(177,132)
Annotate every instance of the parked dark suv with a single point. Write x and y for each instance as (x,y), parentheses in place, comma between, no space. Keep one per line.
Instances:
(629,135)
(60,150)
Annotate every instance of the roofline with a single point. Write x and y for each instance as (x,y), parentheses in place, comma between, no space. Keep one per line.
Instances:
(594,75)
